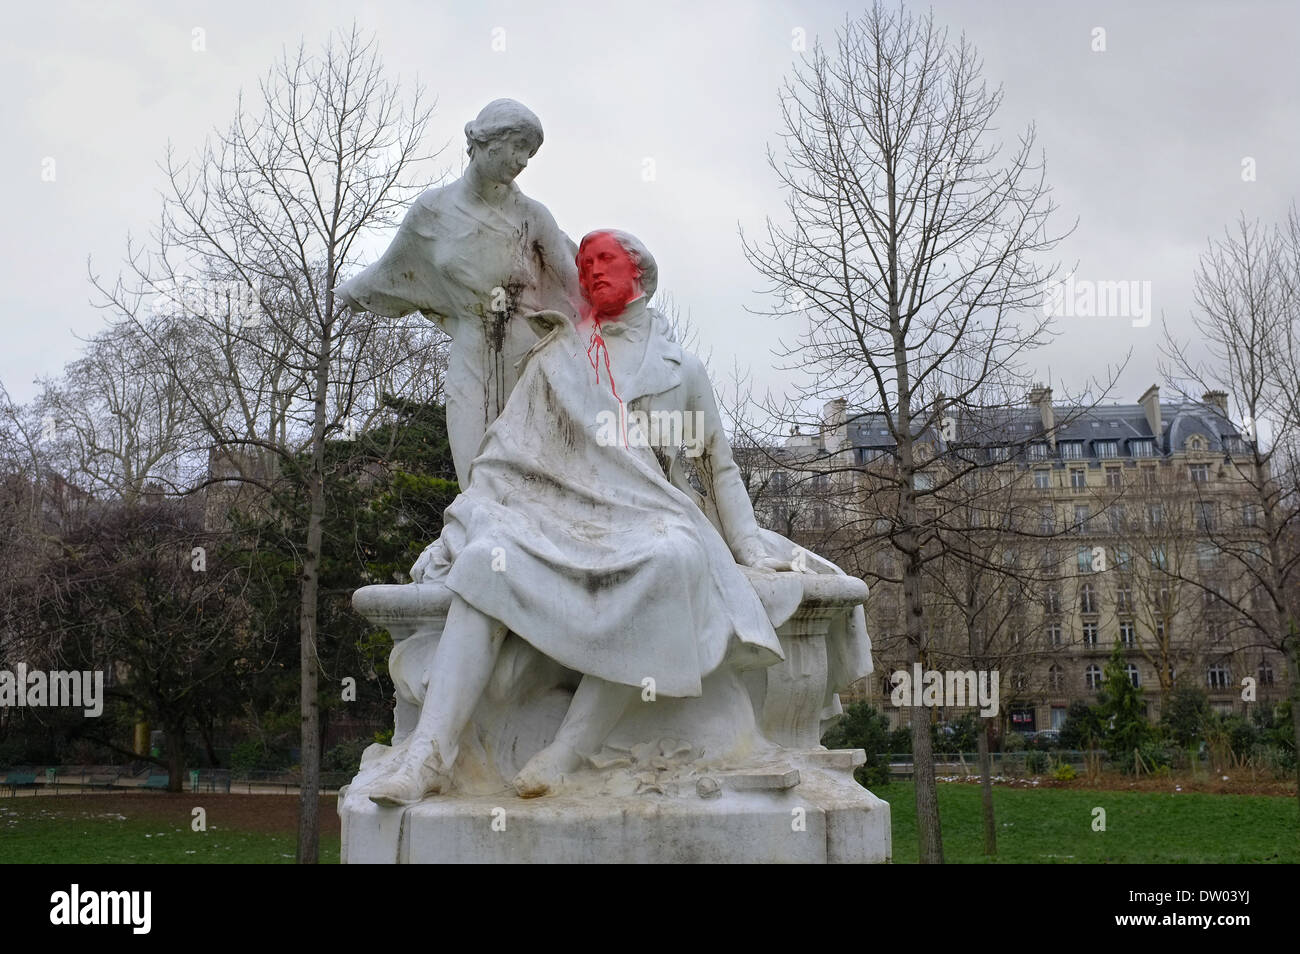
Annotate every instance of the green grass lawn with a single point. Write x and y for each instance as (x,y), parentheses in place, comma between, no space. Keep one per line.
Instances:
(1055,825)
(1034,825)
(43,831)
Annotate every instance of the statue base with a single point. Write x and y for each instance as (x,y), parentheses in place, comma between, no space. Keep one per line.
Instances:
(805,809)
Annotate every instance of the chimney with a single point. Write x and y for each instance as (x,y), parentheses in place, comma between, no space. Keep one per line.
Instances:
(1041,397)
(1150,402)
(1218,399)
(834,424)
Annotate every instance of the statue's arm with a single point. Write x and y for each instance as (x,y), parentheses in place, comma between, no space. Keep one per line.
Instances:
(559,268)
(401,280)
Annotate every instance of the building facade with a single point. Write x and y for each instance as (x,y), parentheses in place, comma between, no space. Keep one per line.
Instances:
(1080,526)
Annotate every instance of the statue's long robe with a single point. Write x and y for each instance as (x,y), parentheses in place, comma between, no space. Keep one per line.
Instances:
(585,550)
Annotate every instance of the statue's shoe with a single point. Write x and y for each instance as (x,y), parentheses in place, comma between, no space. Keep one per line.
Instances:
(411,781)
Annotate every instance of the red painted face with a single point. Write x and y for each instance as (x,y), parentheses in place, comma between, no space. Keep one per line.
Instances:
(609,277)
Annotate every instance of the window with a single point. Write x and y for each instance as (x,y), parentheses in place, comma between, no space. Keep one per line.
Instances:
(1107,449)
(1117,517)
(1145,447)
(1114,477)
(1207,555)
(923,481)
(1217,676)
(1038,451)
(1195,444)
(869,455)
(779,481)
(1160,632)
(1124,599)
(1204,515)
(1080,518)
(1092,677)
(1052,601)
(1158,558)
(1155,515)
(1084,558)
(1148,476)
(1200,473)
(999,453)
(1078,478)
(1132,672)
(1056,678)
(1090,634)
(1087,598)
(1250,515)
(1127,634)
(1058,713)
(1123,557)
(1265,673)
(1054,634)
(1042,480)
(1233,444)
(1071,450)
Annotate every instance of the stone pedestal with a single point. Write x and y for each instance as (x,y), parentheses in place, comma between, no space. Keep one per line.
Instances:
(807,810)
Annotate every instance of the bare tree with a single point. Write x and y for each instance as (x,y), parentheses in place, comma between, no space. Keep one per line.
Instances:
(1247,322)
(912,252)
(254,237)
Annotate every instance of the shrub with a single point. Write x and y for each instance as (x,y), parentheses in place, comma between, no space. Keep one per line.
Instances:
(862,727)
(345,756)
(1083,728)
(1036,762)
(1063,772)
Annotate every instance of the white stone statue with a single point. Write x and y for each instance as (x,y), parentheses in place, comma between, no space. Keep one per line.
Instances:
(601,617)
(474,256)
(579,541)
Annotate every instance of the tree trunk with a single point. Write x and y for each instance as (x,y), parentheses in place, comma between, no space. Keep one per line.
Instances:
(175,745)
(986,786)
(1292,652)
(309,793)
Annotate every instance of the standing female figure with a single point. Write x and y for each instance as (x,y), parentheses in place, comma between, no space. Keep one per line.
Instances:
(474,256)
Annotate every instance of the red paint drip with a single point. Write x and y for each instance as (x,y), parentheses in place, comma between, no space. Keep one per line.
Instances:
(594,352)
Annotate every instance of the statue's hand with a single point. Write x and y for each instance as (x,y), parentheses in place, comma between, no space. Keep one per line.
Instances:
(423,563)
(544,322)
(752,553)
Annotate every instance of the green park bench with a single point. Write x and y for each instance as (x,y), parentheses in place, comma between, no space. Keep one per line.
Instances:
(19,778)
(158,783)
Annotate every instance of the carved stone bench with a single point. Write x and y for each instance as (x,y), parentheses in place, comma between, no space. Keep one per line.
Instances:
(792,699)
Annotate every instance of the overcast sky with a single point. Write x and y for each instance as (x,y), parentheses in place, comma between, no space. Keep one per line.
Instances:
(1144,142)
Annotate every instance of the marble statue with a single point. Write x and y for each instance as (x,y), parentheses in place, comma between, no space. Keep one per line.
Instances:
(474,256)
(601,621)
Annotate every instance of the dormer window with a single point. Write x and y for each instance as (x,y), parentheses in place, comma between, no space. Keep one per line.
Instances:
(1142,447)
(1107,448)
(1071,450)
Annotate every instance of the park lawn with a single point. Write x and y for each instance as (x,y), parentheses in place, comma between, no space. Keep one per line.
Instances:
(1047,825)
(153,829)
